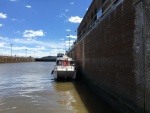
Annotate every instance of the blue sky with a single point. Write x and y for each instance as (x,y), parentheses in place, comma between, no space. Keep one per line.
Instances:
(39,27)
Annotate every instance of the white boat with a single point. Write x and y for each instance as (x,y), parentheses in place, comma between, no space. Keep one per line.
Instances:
(64,68)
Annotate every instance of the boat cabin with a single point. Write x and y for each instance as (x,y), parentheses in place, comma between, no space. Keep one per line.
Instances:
(65,62)
(60,55)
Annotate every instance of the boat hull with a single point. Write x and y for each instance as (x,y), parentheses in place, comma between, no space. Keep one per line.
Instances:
(65,74)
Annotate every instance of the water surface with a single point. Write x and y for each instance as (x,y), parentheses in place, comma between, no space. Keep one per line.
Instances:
(28,88)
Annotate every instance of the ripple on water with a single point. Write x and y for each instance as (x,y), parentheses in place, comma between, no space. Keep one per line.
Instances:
(28,88)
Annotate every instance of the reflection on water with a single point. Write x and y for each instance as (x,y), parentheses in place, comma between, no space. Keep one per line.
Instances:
(27,88)
(68,96)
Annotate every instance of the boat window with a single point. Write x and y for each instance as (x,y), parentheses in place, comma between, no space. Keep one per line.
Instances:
(115,1)
(99,13)
(71,62)
(103,1)
(60,55)
(59,62)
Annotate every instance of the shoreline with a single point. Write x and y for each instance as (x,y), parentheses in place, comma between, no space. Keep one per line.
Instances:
(9,59)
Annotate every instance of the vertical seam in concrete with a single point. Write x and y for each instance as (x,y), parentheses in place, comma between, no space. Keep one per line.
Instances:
(83,58)
(139,46)
(143,52)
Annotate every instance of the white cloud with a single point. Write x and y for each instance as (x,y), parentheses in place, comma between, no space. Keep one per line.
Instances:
(66,10)
(21,48)
(35,42)
(29,48)
(18,32)
(28,6)
(31,33)
(34,47)
(41,48)
(67,43)
(13,19)
(71,42)
(68,30)
(1,25)
(3,15)
(62,15)
(2,44)
(72,3)
(4,38)
(55,51)
(75,19)
(12,0)
(71,36)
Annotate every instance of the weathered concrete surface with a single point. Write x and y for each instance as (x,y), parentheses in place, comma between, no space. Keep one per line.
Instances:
(114,55)
(146,36)
(9,59)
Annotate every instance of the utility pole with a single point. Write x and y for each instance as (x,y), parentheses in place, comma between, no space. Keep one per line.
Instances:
(69,41)
(65,48)
(26,52)
(11,49)
(34,54)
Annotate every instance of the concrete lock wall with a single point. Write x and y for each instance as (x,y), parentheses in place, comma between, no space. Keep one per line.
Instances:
(114,55)
(146,36)
(9,59)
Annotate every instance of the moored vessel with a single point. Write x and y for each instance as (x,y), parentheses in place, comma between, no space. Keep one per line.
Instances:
(64,68)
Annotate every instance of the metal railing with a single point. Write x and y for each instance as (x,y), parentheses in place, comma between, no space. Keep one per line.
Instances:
(107,5)
(103,10)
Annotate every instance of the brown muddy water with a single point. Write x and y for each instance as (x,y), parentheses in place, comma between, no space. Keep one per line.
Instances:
(28,88)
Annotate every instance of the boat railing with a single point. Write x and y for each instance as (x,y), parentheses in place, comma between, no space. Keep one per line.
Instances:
(62,67)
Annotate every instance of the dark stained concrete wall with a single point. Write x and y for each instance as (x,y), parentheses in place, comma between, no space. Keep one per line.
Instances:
(146,36)
(114,56)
